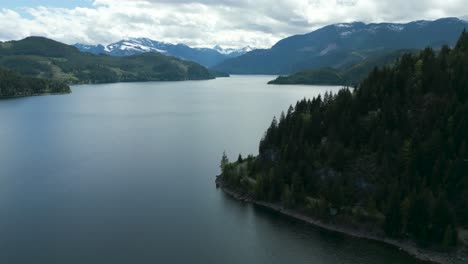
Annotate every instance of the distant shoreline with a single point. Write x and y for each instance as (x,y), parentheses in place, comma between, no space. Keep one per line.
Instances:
(31,95)
(408,247)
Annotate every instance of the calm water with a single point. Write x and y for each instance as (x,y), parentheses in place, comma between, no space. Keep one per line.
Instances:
(124,173)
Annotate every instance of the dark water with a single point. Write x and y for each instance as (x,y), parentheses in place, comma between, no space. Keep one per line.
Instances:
(124,173)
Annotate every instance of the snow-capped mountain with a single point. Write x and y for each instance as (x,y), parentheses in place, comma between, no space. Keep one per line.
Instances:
(205,56)
(126,47)
(231,52)
(343,44)
(135,46)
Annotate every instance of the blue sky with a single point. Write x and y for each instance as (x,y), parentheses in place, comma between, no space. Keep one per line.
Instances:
(204,23)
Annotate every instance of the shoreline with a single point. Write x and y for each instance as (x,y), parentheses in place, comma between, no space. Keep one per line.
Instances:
(406,246)
(31,95)
(145,81)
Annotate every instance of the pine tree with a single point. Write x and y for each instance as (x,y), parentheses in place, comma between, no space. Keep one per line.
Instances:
(239,159)
(224,162)
(397,143)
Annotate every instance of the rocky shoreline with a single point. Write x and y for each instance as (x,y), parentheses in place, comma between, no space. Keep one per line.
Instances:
(406,246)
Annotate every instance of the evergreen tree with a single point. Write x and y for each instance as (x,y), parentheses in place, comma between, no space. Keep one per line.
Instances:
(224,162)
(397,141)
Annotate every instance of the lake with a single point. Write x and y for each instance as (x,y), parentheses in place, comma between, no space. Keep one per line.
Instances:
(124,173)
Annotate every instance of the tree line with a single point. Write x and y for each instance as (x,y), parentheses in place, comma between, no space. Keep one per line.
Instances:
(391,152)
(13,84)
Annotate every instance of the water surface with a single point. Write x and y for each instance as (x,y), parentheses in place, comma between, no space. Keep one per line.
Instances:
(124,173)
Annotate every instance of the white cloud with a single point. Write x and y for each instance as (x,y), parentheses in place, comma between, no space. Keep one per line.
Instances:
(231,23)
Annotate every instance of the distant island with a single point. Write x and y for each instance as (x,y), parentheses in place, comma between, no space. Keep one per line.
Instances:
(15,85)
(348,75)
(322,76)
(387,161)
(48,59)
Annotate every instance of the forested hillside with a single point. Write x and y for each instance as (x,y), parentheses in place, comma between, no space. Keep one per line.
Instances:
(48,59)
(350,74)
(15,85)
(390,155)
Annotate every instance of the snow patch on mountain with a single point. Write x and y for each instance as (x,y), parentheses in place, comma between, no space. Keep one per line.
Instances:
(229,51)
(396,27)
(132,46)
(346,33)
(137,45)
(422,23)
(344,25)
(329,48)
(345,30)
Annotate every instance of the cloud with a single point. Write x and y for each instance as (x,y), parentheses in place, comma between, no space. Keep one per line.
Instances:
(231,23)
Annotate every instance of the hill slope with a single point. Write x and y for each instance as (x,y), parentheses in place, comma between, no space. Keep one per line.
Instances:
(15,85)
(341,44)
(45,58)
(390,157)
(347,75)
(322,76)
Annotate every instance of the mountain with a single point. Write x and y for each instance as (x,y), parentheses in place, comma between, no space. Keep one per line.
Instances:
(232,53)
(387,160)
(204,56)
(15,85)
(349,75)
(464,18)
(341,44)
(49,59)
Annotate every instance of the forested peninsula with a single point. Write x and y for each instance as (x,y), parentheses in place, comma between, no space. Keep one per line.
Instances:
(387,160)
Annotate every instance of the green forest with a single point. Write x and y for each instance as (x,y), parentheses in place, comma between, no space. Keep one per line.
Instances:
(15,85)
(48,59)
(390,154)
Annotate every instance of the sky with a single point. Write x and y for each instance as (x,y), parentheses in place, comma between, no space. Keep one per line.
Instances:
(204,23)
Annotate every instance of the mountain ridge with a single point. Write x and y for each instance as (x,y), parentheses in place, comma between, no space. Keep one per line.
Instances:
(48,59)
(340,44)
(207,57)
